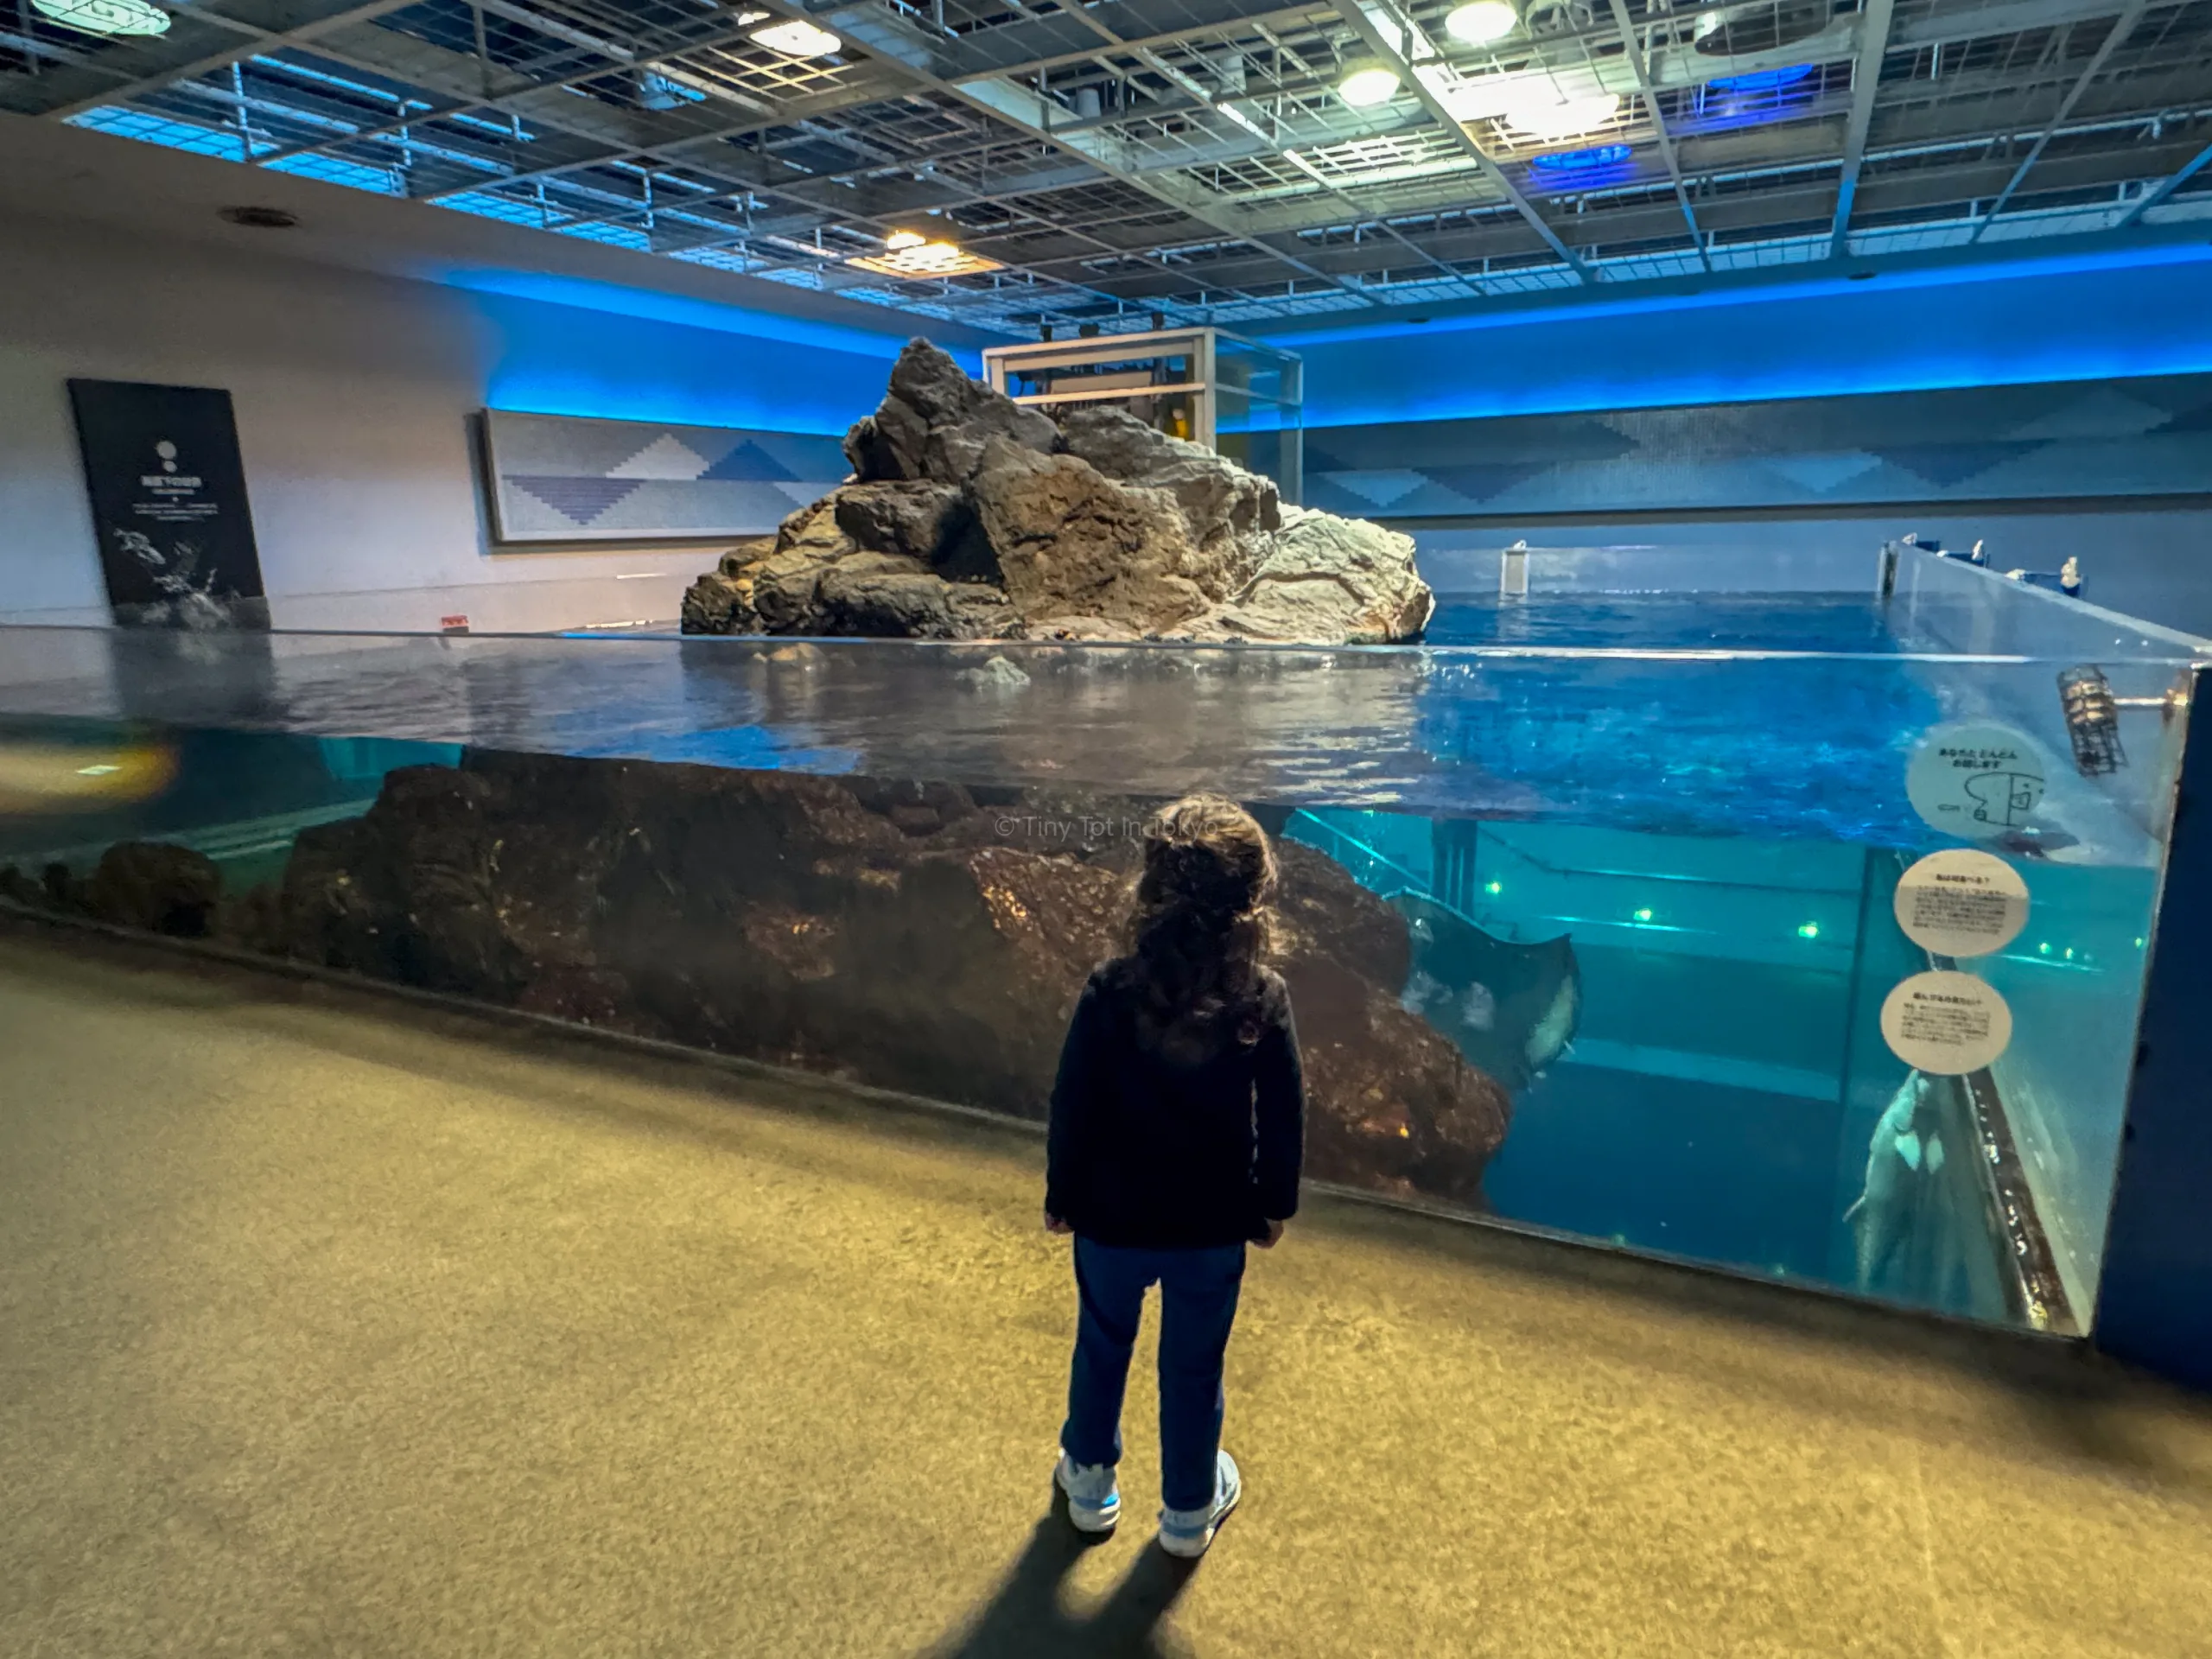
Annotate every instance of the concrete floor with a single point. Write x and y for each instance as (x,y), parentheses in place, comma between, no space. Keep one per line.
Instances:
(335,1326)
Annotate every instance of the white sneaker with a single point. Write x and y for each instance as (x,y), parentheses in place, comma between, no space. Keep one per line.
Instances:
(1187,1532)
(1094,1498)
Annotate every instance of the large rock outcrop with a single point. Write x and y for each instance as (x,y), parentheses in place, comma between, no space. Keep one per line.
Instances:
(971,516)
(925,938)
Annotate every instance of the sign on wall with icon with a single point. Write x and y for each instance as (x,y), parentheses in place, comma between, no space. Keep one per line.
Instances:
(169,504)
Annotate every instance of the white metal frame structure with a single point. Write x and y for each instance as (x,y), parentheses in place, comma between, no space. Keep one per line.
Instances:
(1193,158)
(1007,367)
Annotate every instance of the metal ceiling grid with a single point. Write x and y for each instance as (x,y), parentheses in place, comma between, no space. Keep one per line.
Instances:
(1191,158)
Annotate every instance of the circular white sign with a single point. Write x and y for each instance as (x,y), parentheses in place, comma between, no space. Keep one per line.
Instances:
(1975,781)
(1945,1024)
(1961,902)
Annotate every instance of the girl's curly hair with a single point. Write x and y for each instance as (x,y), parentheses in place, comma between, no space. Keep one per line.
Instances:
(1199,930)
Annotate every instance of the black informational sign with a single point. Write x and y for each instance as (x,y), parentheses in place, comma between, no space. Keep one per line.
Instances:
(169,504)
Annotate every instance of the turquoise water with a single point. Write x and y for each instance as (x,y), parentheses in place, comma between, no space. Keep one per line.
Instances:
(1697,1070)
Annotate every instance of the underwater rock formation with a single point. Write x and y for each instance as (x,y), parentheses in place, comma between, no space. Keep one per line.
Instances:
(922,938)
(154,886)
(971,516)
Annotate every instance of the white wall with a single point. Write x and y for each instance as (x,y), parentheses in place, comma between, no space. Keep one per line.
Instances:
(353,394)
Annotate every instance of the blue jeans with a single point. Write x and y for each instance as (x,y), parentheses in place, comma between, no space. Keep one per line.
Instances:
(1198,1293)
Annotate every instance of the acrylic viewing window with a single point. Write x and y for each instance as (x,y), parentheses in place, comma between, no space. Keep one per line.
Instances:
(1752,928)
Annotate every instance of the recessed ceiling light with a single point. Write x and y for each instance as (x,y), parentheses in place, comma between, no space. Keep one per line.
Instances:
(1545,115)
(917,258)
(1480,21)
(1365,87)
(796,40)
(106,17)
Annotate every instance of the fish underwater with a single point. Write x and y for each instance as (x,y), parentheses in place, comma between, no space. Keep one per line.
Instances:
(1511,1008)
(1901,1197)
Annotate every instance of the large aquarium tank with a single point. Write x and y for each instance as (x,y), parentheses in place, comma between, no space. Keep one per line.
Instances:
(1789,916)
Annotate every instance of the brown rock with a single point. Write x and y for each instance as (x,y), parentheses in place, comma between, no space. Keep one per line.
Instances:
(930,382)
(1128,533)
(814,531)
(896,934)
(158,887)
(915,519)
(1081,630)
(1072,542)
(1331,579)
(888,444)
(720,604)
(743,556)
(785,586)
(1226,509)
(883,596)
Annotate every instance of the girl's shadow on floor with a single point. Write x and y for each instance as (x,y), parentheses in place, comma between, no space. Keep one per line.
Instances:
(1024,1619)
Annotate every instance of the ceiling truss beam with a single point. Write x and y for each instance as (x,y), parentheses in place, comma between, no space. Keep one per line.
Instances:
(1865,78)
(2123,25)
(2159,195)
(1632,45)
(1393,39)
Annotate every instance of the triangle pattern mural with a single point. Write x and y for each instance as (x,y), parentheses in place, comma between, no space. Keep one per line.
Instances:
(665,457)
(2103,412)
(749,463)
(1820,474)
(2190,420)
(565,478)
(1948,464)
(2081,438)
(1378,491)
(1481,480)
(578,499)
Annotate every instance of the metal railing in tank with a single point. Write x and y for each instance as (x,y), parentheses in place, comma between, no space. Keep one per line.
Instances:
(1371,867)
(1981,1247)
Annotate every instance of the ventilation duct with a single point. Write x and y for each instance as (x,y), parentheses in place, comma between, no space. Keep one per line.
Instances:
(1738,31)
(1543,18)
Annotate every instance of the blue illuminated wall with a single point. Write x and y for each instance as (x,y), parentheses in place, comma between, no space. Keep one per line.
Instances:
(558,346)
(2037,382)
(2146,313)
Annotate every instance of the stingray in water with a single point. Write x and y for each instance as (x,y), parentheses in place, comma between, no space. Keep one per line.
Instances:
(1511,1008)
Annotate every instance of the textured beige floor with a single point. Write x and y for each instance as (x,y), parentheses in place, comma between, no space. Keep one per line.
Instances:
(336,1327)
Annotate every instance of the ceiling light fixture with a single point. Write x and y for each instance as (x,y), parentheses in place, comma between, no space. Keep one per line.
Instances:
(913,258)
(796,40)
(1480,21)
(1545,115)
(106,17)
(1368,85)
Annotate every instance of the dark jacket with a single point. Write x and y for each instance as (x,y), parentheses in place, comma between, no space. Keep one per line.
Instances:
(1163,1152)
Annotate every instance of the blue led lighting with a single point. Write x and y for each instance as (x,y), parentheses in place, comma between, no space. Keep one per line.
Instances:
(649,304)
(2138,311)
(1762,80)
(640,356)
(1566,163)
